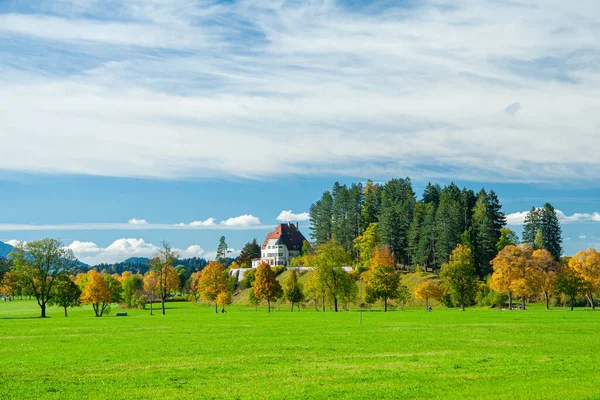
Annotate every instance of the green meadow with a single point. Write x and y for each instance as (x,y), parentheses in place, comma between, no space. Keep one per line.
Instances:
(193,353)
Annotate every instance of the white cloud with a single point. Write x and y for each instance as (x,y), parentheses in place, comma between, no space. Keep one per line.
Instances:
(416,91)
(13,242)
(192,251)
(241,221)
(84,248)
(518,218)
(207,222)
(287,216)
(135,221)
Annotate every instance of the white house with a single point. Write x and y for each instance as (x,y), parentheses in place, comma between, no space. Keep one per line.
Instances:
(281,246)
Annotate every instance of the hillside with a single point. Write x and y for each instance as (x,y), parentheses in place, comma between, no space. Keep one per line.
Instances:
(5,249)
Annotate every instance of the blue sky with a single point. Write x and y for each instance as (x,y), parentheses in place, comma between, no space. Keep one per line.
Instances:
(221,115)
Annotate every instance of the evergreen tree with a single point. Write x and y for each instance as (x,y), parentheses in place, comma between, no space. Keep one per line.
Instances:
(371,204)
(449,222)
(398,203)
(551,231)
(321,218)
(485,240)
(496,215)
(533,223)
(415,232)
(221,257)
(431,194)
(250,251)
(426,251)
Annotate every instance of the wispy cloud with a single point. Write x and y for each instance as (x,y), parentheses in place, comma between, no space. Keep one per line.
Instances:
(427,90)
(135,221)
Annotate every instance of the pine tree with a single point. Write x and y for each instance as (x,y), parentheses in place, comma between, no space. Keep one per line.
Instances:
(431,194)
(496,215)
(221,257)
(321,219)
(250,251)
(398,203)
(533,223)
(551,231)
(449,222)
(371,204)
(484,235)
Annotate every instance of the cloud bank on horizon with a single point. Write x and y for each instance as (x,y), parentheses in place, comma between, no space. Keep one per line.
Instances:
(475,90)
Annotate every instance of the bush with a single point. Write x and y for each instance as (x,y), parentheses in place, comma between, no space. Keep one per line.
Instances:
(278,270)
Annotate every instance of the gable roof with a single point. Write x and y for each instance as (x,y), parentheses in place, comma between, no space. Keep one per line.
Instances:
(286,234)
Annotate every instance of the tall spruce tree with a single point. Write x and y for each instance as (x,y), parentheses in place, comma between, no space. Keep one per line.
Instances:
(484,249)
(320,219)
(397,207)
(551,231)
(371,204)
(449,222)
(533,223)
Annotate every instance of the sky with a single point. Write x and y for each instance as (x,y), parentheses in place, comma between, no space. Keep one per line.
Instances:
(125,123)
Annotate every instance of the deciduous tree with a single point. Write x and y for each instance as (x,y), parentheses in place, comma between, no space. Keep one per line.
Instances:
(224,299)
(428,290)
(132,286)
(38,265)
(459,275)
(382,280)
(97,291)
(152,286)
(365,243)
(329,274)
(212,282)
(294,290)
(586,265)
(544,272)
(266,287)
(65,293)
(168,279)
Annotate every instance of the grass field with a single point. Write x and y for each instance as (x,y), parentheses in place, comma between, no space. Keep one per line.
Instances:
(191,353)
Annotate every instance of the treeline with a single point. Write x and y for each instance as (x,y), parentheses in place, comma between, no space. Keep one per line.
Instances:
(422,232)
(142,265)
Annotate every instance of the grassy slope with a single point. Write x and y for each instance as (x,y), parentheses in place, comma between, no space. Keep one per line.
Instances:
(246,354)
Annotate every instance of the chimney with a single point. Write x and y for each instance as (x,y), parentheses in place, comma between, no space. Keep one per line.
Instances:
(296,225)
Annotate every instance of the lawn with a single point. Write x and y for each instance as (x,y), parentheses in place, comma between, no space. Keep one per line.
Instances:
(192,353)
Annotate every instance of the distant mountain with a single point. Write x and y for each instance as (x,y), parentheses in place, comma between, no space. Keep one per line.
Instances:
(5,248)
(136,260)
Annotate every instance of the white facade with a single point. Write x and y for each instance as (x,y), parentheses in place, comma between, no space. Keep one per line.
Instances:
(275,254)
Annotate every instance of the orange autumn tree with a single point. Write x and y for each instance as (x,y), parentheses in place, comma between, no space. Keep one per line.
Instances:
(223,299)
(586,265)
(265,285)
(382,279)
(428,290)
(513,272)
(193,282)
(213,281)
(151,286)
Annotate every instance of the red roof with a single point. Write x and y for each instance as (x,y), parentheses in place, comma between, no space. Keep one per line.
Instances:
(288,235)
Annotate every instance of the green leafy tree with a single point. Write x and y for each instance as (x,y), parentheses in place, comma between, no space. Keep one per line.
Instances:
(507,237)
(65,293)
(459,275)
(253,300)
(569,283)
(403,295)
(168,279)
(365,243)
(294,290)
(132,287)
(329,274)
(39,264)
(538,242)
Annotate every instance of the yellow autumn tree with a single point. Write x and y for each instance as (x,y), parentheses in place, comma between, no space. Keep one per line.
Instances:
(96,292)
(152,286)
(513,271)
(544,273)
(223,299)
(586,265)
(213,281)
(193,282)
(428,290)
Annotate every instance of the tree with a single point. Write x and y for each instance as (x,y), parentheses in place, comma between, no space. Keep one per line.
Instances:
(507,237)
(221,257)
(382,280)
(168,279)
(544,272)
(544,219)
(365,243)
(152,286)
(449,221)
(266,286)
(586,264)
(371,205)
(569,283)
(250,251)
(294,290)
(484,235)
(513,272)
(194,282)
(459,275)
(428,290)
(538,242)
(65,293)
(329,274)
(213,281)
(321,214)
(403,295)
(132,286)
(100,290)
(39,264)
(397,207)
(224,299)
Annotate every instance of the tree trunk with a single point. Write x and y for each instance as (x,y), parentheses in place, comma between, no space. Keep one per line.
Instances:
(335,304)
(426,304)
(572,302)
(462,302)
(268,304)
(43,307)
(162,301)
(510,300)
(151,307)
(65,312)
(523,302)
(292,310)
(591,301)
(216,308)
(323,302)
(384,304)
(547,300)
